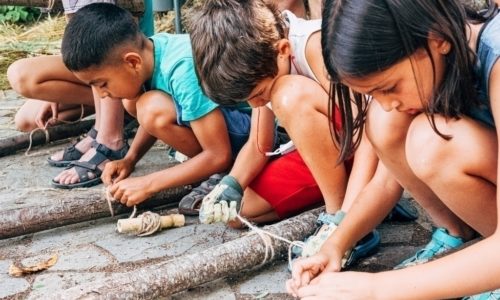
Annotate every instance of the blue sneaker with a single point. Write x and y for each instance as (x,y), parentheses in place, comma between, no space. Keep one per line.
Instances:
(491,295)
(327,224)
(365,247)
(404,211)
(441,242)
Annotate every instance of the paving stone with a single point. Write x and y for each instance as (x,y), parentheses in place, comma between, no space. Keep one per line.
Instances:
(10,286)
(271,280)
(73,235)
(396,233)
(49,283)
(75,258)
(14,247)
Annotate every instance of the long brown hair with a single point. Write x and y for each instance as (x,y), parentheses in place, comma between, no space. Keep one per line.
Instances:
(362,37)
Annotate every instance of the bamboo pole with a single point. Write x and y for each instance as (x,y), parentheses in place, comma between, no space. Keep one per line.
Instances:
(187,271)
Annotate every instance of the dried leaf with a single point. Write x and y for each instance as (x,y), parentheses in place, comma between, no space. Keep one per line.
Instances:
(20,270)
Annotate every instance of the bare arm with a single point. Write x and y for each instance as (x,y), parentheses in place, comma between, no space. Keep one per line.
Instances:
(211,133)
(363,169)
(368,210)
(251,158)
(469,271)
(450,276)
(141,144)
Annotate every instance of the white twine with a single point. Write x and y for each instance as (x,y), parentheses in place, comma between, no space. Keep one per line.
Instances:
(46,131)
(110,200)
(150,222)
(265,236)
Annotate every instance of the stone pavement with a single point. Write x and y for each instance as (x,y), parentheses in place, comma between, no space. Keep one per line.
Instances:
(92,251)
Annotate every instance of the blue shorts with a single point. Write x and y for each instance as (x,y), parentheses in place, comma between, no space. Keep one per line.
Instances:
(238,125)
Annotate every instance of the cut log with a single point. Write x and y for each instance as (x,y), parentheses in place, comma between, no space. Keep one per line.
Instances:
(21,141)
(134,6)
(187,271)
(69,208)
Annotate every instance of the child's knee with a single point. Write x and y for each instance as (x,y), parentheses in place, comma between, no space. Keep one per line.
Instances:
(289,106)
(23,123)
(19,78)
(425,151)
(130,107)
(153,113)
(382,129)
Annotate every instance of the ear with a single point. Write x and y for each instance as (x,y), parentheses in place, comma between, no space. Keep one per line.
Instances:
(438,44)
(283,47)
(133,60)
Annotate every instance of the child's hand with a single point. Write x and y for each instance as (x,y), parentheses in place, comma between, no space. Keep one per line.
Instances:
(339,285)
(223,202)
(304,270)
(115,171)
(47,112)
(132,191)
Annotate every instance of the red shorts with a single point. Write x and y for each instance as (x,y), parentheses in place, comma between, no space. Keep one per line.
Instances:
(287,184)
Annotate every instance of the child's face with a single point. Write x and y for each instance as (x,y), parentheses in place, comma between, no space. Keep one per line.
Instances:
(262,93)
(115,81)
(406,87)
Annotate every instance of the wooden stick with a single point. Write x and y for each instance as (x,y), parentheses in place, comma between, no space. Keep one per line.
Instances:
(68,208)
(19,142)
(135,224)
(187,271)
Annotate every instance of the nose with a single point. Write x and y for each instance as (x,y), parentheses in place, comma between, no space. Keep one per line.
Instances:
(389,105)
(102,92)
(257,102)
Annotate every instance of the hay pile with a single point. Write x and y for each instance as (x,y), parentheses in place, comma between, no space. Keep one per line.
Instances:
(44,37)
(19,41)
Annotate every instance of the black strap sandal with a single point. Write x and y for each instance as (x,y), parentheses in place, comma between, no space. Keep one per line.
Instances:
(70,153)
(83,168)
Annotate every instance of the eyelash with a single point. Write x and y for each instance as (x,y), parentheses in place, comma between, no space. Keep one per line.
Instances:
(388,91)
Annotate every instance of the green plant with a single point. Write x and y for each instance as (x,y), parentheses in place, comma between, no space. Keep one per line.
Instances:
(18,14)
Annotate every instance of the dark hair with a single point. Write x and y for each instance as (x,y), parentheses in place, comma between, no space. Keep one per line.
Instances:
(361,37)
(94,32)
(233,45)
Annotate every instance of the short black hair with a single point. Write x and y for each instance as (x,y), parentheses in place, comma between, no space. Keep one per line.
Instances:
(94,32)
